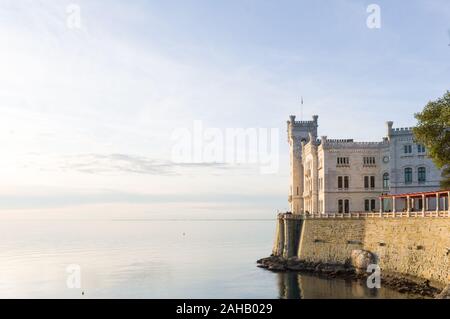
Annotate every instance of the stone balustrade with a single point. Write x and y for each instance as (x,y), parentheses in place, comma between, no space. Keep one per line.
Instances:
(424,214)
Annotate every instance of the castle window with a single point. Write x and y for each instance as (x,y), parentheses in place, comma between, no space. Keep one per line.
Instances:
(421,174)
(343,206)
(407,149)
(343,161)
(346,206)
(369,182)
(386,180)
(369,205)
(366,205)
(343,182)
(408,175)
(420,149)
(369,160)
(297,190)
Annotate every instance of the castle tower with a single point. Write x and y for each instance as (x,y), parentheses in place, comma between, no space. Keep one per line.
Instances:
(389,125)
(298,132)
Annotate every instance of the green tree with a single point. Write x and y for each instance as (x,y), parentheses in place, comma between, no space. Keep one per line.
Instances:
(433,131)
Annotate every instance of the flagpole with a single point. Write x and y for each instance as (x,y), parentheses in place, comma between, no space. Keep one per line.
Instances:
(301,109)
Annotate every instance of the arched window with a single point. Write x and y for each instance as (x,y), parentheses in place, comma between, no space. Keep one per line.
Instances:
(369,205)
(408,175)
(421,174)
(386,180)
(343,206)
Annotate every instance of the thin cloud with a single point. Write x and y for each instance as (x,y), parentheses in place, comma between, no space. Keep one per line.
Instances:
(126,163)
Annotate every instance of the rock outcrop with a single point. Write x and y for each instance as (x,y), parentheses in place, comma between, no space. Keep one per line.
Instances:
(445,293)
(361,259)
(354,269)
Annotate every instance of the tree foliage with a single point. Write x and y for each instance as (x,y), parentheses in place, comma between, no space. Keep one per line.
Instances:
(433,131)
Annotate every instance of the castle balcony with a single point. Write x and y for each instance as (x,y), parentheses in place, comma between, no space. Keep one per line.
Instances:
(408,205)
(424,203)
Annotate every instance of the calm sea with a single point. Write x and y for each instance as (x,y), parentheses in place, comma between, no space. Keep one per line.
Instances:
(153,259)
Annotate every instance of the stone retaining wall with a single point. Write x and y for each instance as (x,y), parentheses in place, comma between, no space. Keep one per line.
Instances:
(412,246)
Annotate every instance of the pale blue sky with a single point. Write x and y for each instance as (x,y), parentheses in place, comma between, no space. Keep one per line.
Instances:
(71,100)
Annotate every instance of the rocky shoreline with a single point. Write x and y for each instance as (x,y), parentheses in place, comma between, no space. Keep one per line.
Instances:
(351,271)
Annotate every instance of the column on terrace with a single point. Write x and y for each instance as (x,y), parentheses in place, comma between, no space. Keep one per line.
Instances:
(448,202)
(427,203)
(437,202)
(408,204)
(381,204)
(393,204)
(423,202)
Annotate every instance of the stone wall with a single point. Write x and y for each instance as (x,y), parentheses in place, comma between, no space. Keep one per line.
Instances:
(412,246)
(330,240)
(415,246)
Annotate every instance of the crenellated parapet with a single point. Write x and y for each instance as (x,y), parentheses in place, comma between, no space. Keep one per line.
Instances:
(326,140)
(402,129)
(303,123)
(299,129)
(398,131)
(351,144)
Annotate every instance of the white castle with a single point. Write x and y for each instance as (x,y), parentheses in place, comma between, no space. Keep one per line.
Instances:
(344,176)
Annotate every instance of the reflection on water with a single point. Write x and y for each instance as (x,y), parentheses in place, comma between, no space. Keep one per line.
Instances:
(152,259)
(305,286)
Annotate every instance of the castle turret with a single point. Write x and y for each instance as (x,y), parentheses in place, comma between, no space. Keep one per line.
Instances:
(298,132)
(315,118)
(292,118)
(389,125)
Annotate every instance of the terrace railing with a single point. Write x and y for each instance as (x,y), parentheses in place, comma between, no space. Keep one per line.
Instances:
(419,214)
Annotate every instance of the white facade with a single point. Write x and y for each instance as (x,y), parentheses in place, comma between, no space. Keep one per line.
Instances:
(329,176)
